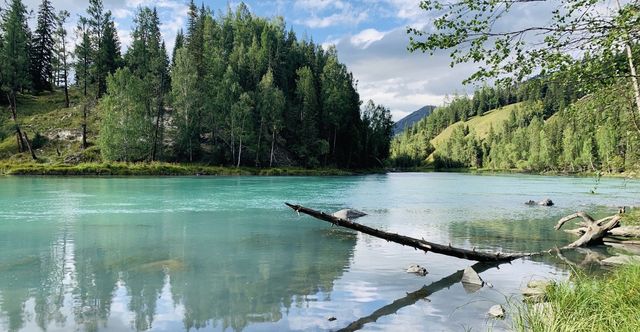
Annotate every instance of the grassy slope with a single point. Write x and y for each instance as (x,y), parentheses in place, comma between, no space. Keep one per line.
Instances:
(478,124)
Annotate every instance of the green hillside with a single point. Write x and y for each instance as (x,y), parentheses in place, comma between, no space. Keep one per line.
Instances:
(480,125)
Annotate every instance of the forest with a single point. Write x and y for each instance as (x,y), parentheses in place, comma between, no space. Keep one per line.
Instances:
(555,125)
(237,90)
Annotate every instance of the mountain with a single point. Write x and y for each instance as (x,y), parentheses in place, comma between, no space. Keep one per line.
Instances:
(412,118)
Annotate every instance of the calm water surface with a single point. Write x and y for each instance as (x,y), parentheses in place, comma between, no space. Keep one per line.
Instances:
(172,254)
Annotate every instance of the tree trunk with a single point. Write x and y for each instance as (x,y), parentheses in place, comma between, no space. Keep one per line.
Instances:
(259,141)
(419,244)
(66,74)
(632,69)
(84,125)
(14,116)
(158,117)
(26,139)
(595,230)
(239,152)
(273,143)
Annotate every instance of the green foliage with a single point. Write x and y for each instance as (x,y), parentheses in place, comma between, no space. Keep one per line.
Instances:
(585,303)
(126,131)
(14,59)
(591,135)
(185,93)
(475,32)
(42,48)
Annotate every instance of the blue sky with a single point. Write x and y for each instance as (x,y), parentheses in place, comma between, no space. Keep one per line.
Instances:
(370,36)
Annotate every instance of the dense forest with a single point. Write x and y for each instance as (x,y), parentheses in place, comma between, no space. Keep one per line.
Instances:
(554,126)
(237,90)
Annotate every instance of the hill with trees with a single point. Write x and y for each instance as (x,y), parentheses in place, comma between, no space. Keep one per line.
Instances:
(239,90)
(411,119)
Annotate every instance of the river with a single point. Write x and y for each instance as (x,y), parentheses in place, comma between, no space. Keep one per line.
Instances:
(224,253)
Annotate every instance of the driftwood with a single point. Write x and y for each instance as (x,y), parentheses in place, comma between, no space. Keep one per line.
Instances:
(595,230)
(622,231)
(420,244)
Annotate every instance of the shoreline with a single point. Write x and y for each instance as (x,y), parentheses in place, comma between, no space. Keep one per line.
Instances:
(483,171)
(166,169)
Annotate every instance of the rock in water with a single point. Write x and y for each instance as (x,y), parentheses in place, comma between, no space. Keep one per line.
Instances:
(417,269)
(470,276)
(348,214)
(621,260)
(497,311)
(546,202)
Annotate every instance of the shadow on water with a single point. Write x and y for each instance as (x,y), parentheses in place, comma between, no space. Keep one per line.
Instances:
(215,270)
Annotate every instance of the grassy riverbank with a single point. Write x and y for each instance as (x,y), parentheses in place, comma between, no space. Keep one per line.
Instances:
(161,169)
(608,303)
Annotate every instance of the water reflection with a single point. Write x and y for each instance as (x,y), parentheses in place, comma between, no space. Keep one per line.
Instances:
(206,270)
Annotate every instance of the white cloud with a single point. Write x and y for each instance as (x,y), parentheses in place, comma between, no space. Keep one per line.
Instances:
(346,17)
(366,37)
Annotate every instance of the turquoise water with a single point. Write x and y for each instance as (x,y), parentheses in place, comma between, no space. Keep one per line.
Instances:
(210,253)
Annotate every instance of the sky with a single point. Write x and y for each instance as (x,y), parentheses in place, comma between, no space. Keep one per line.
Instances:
(370,36)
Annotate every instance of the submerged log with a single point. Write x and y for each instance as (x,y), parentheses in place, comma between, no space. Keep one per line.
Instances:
(419,244)
(594,230)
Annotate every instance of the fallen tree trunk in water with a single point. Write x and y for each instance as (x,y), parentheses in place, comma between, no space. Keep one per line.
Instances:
(595,230)
(623,231)
(420,244)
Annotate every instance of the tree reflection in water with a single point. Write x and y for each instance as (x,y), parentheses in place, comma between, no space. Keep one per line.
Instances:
(72,276)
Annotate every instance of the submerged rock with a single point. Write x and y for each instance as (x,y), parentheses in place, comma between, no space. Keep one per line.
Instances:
(417,269)
(546,202)
(536,290)
(349,214)
(621,260)
(470,276)
(497,311)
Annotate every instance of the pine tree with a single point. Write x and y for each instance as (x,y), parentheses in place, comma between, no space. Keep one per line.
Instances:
(84,63)
(179,43)
(14,63)
(43,46)
(108,57)
(62,56)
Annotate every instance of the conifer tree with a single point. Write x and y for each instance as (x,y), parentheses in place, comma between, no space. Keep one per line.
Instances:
(14,63)
(43,46)
(62,56)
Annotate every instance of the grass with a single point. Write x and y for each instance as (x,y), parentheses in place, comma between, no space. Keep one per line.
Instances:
(631,217)
(608,303)
(158,169)
(478,124)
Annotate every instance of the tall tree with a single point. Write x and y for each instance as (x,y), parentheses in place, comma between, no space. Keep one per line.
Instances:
(184,93)
(271,104)
(179,43)
(14,63)
(307,109)
(62,56)
(126,129)
(107,57)
(43,46)
(83,55)
(147,58)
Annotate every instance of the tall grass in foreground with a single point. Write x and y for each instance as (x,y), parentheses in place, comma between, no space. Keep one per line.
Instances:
(609,303)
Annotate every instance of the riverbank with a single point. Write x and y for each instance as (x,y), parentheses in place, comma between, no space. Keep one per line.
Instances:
(425,169)
(164,169)
(587,303)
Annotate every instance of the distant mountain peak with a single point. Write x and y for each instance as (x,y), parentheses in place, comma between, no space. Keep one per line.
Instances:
(411,119)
